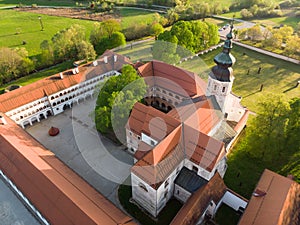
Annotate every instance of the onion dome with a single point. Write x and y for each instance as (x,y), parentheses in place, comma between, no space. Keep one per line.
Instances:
(223,71)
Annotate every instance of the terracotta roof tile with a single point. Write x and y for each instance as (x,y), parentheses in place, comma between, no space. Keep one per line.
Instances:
(202,149)
(170,77)
(150,121)
(54,84)
(54,189)
(200,113)
(158,164)
(280,205)
(196,205)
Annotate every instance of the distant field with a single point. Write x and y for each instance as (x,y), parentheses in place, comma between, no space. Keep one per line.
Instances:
(130,17)
(38,2)
(29,29)
(28,26)
(277,76)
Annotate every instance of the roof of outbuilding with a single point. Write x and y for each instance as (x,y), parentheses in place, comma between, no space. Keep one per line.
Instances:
(196,205)
(59,194)
(280,203)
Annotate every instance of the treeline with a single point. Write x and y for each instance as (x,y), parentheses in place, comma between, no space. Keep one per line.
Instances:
(283,39)
(274,134)
(184,38)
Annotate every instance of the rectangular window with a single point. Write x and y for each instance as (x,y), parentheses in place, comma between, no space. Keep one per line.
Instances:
(223,89)
(195,169)
(167,183)
(215,87)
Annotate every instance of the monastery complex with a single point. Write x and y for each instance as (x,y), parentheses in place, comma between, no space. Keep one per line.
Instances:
(179,139)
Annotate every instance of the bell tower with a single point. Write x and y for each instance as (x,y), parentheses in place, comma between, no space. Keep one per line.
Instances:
(221,77)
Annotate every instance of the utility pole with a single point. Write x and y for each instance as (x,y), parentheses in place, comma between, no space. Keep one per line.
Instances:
(41,23)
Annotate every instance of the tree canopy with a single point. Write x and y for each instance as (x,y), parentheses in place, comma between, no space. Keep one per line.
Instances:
(14,63)
(193,36)
(67,44)
(107,35)
(274,134)
(115,100)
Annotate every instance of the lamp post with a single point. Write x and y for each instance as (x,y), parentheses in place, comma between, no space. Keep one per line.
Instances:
(41,22)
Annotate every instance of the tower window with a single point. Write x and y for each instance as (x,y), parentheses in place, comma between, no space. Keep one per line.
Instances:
(223,89)
(215,87)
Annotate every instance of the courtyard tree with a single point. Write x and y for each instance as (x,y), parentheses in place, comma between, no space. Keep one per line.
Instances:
(115,100)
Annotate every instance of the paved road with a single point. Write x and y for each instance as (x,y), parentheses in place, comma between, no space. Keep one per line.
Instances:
(100,162)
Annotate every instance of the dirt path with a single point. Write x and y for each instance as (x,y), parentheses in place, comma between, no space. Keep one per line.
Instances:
(74,13)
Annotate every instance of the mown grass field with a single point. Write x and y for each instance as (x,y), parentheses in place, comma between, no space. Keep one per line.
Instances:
(16,27)
(130,17)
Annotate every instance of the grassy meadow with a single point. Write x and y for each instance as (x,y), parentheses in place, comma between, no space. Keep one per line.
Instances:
(16,27)
(38,2)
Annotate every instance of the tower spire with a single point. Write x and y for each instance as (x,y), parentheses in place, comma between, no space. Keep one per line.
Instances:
(223,71)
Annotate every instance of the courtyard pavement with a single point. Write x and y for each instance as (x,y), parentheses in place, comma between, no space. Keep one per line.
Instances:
(96,159)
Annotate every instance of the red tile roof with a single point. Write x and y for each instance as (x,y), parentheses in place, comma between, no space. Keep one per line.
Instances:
(54,84)
(150,121)
(196,205)
(56,191)
(202,149)
(280,205)
(170,78)
(200,113)
(158,164)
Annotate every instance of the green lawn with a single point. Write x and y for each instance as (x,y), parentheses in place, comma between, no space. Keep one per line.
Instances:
(130,17)
(28,26)
(29,29)
(227,216)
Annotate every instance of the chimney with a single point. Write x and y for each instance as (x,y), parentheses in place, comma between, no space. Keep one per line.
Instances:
(105,59)
(115,58)
(61,75)
(76,70)
(95,63)
(2,120)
